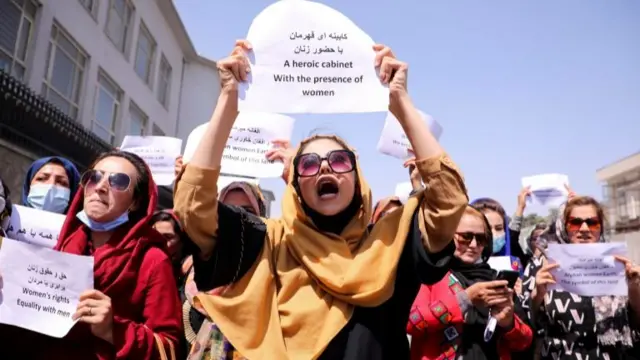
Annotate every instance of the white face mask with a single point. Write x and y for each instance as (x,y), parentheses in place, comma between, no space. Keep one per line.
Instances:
(50,198)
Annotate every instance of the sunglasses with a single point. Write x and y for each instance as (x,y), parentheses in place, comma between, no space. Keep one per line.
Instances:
(466,238)
(340,162)
(574,224)
(117,181)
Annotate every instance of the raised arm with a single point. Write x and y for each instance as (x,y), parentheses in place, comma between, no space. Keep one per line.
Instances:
(446,195)
(196,192)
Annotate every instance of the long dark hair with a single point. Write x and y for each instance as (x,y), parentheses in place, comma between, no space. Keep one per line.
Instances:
(141,189)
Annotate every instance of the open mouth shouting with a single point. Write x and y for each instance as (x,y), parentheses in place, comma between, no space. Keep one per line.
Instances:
(327,187)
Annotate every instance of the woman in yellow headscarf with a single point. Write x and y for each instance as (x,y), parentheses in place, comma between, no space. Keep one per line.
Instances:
(316,283)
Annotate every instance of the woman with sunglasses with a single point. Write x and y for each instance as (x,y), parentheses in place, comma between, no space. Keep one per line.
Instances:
(448,319)
(572,327)
(315,283)
(135,299)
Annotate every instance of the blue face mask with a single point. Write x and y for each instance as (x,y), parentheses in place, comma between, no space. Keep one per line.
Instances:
(102,227)
(498,243)
(50,198)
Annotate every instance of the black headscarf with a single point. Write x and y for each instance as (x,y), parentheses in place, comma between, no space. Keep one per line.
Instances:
(472,344)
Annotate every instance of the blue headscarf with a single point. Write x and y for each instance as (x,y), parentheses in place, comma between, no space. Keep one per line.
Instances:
(72,173)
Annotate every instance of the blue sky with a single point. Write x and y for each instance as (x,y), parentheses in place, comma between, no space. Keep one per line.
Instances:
(520,87)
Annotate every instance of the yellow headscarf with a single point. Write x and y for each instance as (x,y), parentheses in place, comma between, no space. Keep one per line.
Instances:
(303,288)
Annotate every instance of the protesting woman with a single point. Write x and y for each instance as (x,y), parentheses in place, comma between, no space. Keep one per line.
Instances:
(315,283)
(448,319)
(573,327)
(133,312)
(50,184)
(198,329)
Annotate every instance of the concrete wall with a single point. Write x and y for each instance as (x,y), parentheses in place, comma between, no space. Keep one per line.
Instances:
(200,91)
(89,34)
(14,163)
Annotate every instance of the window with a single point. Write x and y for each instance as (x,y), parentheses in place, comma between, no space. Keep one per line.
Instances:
(145,53)
(164,81)
(91,6)
(137,120)
(157,131)
(107,106)
(118,22)
(64,72)
(16,27)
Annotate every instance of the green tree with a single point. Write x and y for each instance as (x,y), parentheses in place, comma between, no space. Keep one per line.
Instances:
(533,219)
(553,214)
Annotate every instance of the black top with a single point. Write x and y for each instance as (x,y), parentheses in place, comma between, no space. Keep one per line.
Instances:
(372,333)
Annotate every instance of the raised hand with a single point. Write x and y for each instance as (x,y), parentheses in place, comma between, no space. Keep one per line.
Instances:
(234,68)
(282,152)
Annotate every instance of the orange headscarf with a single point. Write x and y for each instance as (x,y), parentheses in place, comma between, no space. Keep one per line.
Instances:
(381,206)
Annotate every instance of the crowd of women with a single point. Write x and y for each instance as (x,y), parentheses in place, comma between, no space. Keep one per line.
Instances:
(334,277)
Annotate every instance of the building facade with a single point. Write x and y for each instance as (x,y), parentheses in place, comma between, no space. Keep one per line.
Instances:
(114,67)
(621,198)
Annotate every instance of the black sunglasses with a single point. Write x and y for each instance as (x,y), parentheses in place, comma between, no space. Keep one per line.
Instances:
(467,237)
(117,181)
(340,162)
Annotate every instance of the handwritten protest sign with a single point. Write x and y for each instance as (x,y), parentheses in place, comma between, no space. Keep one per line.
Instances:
(394,142)
(41,287)
(547,189)
(252,135)
(159,152)
(34,226)
(309,58)
(589,269)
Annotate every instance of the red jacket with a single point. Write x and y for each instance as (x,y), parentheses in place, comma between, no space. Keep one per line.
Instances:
(436,321)
(135,271)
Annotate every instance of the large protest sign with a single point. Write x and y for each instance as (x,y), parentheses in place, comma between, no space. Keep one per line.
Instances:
(310,58)
(34,226)
(589,269)
(159,152)
(252,135)
(547,189)
(394,142)
(41,287)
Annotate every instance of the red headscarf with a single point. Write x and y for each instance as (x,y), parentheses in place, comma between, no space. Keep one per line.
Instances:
(117,261)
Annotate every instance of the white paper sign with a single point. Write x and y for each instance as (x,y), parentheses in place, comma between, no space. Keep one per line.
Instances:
(250,138)
(41,287)
(394,142)
(310,58)
(159,152)
(548,189)
(34,226)
(403,191)
(225,180)
(589,269)
(501,263)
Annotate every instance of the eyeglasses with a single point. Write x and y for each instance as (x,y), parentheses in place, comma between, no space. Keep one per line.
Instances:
(117,181)
(574,224)
(340,162)
(466,237)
